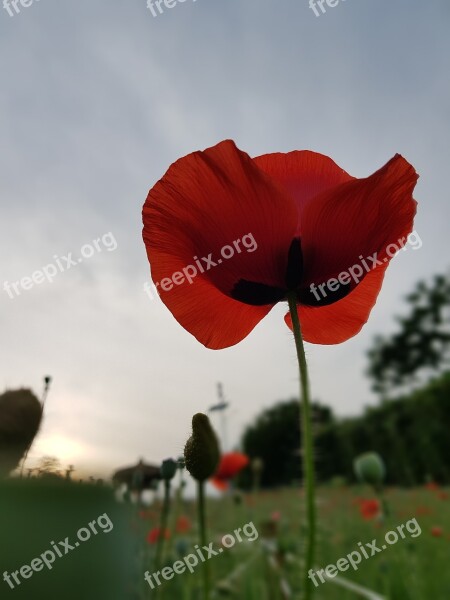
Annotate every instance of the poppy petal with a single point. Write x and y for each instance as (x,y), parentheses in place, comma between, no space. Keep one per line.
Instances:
(363,219)
(220,484)
(206,202)
(338,322)
(230,465)
(213,318)
(304,174)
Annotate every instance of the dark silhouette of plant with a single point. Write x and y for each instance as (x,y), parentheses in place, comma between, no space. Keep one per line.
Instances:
(20,418)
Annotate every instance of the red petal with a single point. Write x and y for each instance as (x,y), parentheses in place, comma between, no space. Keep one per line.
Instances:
(215,320)
(206,201)
(230,464)
(342,320)
(352,221)
(304,174)
(220,484)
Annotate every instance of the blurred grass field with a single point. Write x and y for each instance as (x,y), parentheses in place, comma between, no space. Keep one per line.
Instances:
(269,568)
(34,513)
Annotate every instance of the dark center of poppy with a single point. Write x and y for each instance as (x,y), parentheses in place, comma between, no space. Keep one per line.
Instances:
(260,294)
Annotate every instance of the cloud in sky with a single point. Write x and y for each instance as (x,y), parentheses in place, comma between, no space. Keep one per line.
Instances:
(98,99)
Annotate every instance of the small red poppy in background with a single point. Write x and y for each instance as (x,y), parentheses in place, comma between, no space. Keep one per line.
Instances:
(436,531)
(423,511)
(230,465)
(228,237)
(183,524)
(147,514)
(369,509)
(155,533)
(432,486)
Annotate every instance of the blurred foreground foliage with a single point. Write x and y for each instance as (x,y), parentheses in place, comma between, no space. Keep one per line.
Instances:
(35,512)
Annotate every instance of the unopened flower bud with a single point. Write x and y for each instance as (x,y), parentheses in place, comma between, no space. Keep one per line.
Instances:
(369,467)
(202,452)
(168,469)
(257,465)
(20,419)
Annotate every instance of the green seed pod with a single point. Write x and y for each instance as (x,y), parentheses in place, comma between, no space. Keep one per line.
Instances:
(369,467)
(168,469)
(202,452)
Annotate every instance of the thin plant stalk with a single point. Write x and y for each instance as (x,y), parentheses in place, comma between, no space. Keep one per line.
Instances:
(163,526)
(308,448)
(202,528)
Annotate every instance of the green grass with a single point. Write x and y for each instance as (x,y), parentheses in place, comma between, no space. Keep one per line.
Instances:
(112,566)
(415,568)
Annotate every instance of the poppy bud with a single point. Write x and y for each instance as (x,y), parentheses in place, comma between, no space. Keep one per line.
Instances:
(202,453)
(257,465)
(369,467)
(168,469)
(20,418)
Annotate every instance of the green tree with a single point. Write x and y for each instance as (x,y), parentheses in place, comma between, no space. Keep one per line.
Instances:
(421,347)
(274,438)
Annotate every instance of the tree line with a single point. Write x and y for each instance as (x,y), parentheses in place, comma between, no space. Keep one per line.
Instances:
(410,428)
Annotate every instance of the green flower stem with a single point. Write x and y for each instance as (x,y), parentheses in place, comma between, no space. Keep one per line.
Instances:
(163,526)
(379,491)
(308,449)
(176,508)
(202,527)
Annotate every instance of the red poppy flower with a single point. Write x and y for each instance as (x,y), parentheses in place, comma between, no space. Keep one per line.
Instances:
(230,465)
(432,486)
(228,237)
(436,531)
(369,509)
(147,514)
(183,524)
(155,533)
(423,511)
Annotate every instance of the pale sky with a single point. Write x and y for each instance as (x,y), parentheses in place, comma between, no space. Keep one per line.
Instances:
(97,100)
